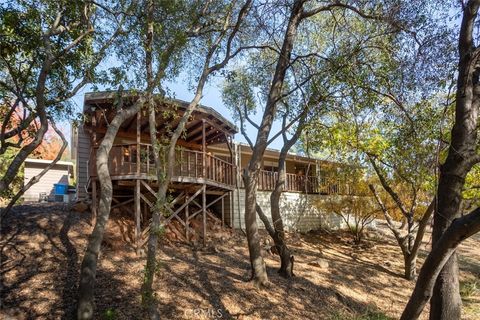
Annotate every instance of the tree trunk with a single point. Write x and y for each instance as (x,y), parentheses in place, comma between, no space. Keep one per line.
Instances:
(148,299)
(408,243)
(446,301)
(88,269)
(459,230)
(410,266)
(259,271)
(252,172)
(286,259)
(164,174)
(147,296)
(438,278)
(411,258)
(286,267)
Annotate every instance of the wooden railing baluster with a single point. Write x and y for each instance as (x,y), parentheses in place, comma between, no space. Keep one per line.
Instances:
(124,161)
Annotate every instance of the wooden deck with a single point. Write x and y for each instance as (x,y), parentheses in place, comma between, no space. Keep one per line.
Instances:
(190,166)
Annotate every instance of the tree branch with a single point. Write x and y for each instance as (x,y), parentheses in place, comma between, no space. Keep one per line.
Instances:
(37,178)
(388,218)
(460,229)
(387,187)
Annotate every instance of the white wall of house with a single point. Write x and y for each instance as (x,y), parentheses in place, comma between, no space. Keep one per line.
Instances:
(59,173)
(300,212)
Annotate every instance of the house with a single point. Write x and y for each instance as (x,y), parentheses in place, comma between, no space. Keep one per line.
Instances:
(207,176)
(44,188)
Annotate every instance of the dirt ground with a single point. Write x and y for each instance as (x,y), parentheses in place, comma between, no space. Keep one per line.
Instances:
(42,247)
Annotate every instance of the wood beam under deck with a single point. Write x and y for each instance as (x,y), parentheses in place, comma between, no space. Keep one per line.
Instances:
(120,204)
(183,199)
(192,186)
(176,182)
(142,190)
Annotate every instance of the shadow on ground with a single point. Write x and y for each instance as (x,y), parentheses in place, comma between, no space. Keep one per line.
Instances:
(41,247)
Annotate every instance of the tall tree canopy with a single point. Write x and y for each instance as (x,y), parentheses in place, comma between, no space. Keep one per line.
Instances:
(49,51)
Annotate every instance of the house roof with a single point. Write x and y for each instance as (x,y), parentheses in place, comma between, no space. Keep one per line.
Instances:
(64,163)
(291,156)
(104,96)
(203,123)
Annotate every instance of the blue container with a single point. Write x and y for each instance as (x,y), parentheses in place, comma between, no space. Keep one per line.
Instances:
(60,188)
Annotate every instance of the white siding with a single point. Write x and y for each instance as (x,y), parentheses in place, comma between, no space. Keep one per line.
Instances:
(300,212)
(82,157)
(57,174)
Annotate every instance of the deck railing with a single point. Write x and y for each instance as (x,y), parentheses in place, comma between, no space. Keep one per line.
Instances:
(190,163)
(306,184)
(123,161)
(293,182)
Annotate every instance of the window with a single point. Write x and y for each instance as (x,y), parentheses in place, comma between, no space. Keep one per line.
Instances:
(130,154)
(270,168)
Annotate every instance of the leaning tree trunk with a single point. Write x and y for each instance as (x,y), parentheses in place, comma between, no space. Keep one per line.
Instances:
(458,231)
(251,174)
(446,302)
(411,259)
(286,258)
(88,269)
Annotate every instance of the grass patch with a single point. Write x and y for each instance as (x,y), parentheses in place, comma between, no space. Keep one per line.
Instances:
(469,288)
(367,315)
(110,314)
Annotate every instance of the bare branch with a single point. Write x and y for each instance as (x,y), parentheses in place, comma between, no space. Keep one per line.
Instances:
(387,187)
(388,218)
(337,4)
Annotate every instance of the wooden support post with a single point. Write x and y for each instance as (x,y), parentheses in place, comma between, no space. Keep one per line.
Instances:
(139,115)
(138,230)
(232,207)
(94,181)
(94,198)
(204,211)
(145,210)
(204,151)
(223,212)
(186,219)
(94,131)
